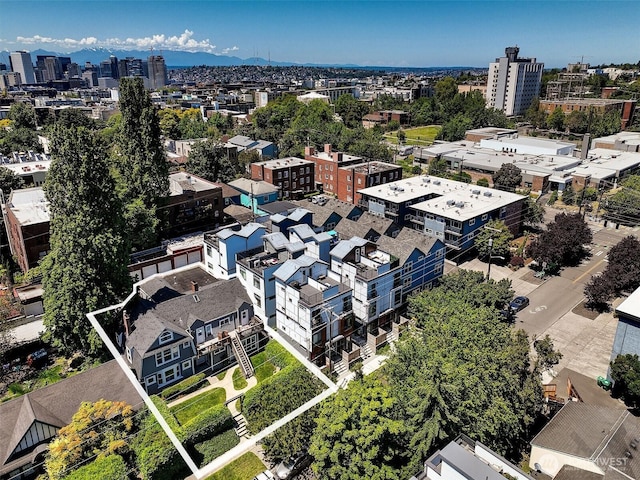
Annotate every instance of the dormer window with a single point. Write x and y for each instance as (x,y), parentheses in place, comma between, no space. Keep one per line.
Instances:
(165,337)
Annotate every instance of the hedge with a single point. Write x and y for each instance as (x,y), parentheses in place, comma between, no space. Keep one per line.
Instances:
(111,467)
(211,422)
(278,355)
(211,449)
(184,387)
(279,395)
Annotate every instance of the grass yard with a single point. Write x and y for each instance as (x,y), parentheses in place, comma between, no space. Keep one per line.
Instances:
(243,468)
(263,368)
(189,409)
(239,382)
(221,375)
(416,136)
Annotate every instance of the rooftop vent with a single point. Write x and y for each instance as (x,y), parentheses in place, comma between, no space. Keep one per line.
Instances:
(487,194)
(475,192)
(436,182)
(451,202)
(460,204)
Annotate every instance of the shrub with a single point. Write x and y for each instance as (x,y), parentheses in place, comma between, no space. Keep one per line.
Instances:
(482,182)
(166,413)
(516,261)
(184,387)
(553,198)
(211,449)
(111,467)
(239,382)
(211,422)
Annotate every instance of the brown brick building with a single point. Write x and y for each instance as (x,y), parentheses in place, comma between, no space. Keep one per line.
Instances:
(27,224)
(193,204)
(293,176)
(342,175)
(600,105)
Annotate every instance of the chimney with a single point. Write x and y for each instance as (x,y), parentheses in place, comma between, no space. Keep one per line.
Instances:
(327,148)
(309,151)
(125,322)
(337,156)
(194,286)
(585,146)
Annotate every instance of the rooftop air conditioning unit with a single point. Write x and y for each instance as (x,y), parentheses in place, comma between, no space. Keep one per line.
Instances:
(450,202)
(460,204)
(487,194)
(436,182)
(475,192)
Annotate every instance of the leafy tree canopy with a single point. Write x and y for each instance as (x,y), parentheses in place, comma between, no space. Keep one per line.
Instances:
(508,177)
(625,372)
(562,243)
(210,160)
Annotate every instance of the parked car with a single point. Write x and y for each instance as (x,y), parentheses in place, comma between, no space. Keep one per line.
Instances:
(266,475)
(293,466)
(518,304)
(38,358)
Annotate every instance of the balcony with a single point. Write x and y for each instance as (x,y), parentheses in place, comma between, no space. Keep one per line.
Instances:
(416,219)
(453,230)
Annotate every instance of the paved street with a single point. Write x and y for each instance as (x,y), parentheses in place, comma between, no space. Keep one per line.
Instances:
(585,343)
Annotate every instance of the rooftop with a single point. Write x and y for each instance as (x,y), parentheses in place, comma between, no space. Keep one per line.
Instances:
(284,162)
(630,307)
(182,182)
(253,187)
(29,205)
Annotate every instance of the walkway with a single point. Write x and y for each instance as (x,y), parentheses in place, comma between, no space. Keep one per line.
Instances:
(226,383)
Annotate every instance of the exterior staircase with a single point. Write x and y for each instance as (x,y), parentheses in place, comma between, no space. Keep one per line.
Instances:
(340,368)
(365,351)
(392,337)
(240,426)
(241,355)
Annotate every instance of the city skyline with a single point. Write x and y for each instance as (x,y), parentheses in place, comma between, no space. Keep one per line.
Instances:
(381,33)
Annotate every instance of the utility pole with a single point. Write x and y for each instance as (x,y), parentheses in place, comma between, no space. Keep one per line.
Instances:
(491,249)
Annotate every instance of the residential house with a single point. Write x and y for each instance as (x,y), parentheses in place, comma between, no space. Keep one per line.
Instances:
(170,334)
(222,247)
(291,175)
(466,459)
(313,307)
(254,193)
(368,226)
(297,216)
(264,148)
(584,441)
(324,219)
(29,422)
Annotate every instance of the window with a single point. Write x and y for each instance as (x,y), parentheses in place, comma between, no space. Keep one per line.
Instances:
(406,283)
(208,330)
(165,337)
(151,380)
(348,188)
(225,321)
(484,217)
(348,178)
(186,365)
(293,185)
(307,169)
(258,300)
(186,345)
(279,174)
(243,273)
(165,356)
(359,181)
(256,282)
(129,354)
(209,251)
(472,222)
(407,267)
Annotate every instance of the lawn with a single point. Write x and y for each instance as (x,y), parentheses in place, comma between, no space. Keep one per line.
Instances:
(239,382)
(417,136)
(263,368)
(189,409)
(243,468)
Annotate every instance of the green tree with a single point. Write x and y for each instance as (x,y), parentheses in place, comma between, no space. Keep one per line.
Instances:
(577,122)
(463,372)
(101,427)
(22,115)
(438,167)
(625,372)
(555,120)
(548,356)
(86,267)
(143,170)
(445,90)
(209,160)
(9,181)
(455,129)
(360,434)
(292,437)
(534,115)
(569,195)
(508,177)
(533,212)
(351,110)
(482,182)
(500,243)
(562,243)
(191,124)
(169,120)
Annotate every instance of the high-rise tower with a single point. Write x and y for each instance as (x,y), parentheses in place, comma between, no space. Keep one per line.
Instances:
(157,72)
(513,82)
(21,63)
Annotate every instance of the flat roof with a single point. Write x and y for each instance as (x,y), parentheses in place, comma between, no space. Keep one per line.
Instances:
(181,181)
(530,142)
(28,168)
(328,157)
(412,188)
(284,162)
(466,204)
(29,206)
(372,167)
(630,307)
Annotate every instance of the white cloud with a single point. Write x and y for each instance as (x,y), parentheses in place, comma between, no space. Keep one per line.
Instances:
(226,51)
(184,42)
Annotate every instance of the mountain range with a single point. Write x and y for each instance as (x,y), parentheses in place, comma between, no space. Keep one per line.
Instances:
(175,59)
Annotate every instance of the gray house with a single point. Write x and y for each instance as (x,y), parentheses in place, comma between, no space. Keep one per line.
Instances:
(170,335)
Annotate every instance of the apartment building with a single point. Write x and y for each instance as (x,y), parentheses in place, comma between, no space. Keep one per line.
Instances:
(292,176)
(513,82)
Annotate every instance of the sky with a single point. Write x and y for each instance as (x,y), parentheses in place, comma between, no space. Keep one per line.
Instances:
(418,33)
